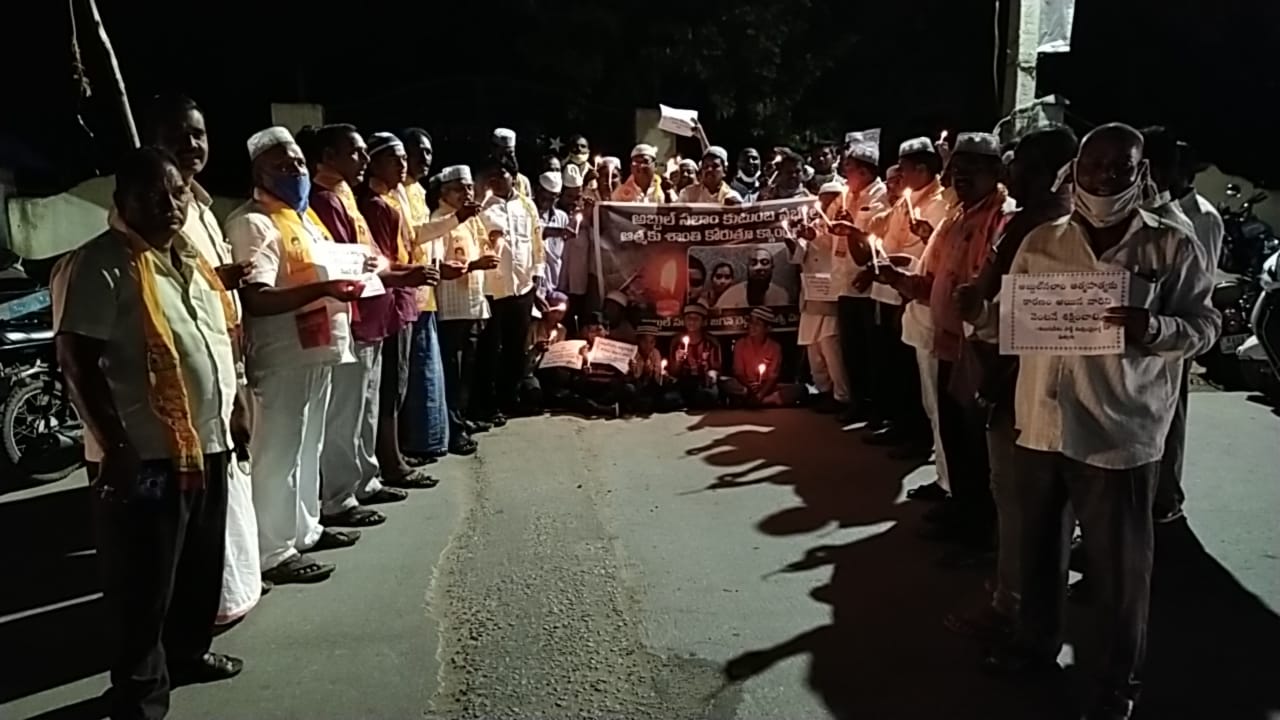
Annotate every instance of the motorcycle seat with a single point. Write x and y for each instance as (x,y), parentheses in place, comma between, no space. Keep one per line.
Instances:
(19,337)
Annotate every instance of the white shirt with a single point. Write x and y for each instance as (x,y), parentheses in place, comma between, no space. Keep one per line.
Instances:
(274,341)
(817,318)
(107,306)
(1113,411)
(516,270)
(1208,226)
(893,227)
(698,193)
(862,207)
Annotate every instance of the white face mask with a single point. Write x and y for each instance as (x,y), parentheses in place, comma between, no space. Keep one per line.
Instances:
(1103,211)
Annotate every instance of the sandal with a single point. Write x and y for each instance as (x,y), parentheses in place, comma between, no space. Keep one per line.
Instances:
(463,447)
(415,479)
(353,518)
(417,461)
(385,495)
(300,569)
(331,539)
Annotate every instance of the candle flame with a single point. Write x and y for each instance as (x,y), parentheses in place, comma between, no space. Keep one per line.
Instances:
(667,278)
(552,337)
(685,340)
(577,217)
(942,137)
(761,368)
(595,162)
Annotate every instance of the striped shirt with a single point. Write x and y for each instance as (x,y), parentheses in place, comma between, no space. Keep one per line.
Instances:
(462,298)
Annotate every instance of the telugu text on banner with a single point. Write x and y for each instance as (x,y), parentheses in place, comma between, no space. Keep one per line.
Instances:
(727,258)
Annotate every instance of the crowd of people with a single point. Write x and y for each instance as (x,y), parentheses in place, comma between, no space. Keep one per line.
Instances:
(246,409)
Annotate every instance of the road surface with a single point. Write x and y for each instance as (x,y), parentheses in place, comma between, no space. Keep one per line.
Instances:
(617,569)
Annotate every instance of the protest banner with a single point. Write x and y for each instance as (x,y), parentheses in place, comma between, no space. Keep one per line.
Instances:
(564,354)
(611,352)
(728,258)
(1061,313)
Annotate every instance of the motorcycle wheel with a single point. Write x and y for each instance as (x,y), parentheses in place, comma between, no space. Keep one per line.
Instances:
(40,450)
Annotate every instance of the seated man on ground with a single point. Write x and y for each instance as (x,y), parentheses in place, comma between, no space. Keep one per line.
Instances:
(615,313)
(544,388)
(600,390)
(757,367)
(655,388)
(696,362)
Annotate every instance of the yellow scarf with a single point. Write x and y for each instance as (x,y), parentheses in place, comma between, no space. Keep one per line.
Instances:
(334,182)
(166,388)
(404,241)
(295,240)
(418,214)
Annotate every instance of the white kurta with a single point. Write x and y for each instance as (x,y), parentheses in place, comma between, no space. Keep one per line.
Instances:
(817,318)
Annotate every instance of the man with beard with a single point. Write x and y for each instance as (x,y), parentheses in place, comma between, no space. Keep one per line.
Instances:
(747,181)
(711,187)
(758,289)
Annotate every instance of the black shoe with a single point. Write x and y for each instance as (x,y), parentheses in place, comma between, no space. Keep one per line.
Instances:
(886,437)
(209,667)
(1080,591)
(945,512)
(475,427)
(462,446)
(497,420)
(932,492)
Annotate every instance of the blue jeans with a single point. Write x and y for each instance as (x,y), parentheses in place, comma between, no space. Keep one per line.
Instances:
(424,417)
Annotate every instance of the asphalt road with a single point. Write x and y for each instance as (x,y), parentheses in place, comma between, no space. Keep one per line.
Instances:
(615,569)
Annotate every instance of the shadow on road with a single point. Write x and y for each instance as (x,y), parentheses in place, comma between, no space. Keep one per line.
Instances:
(52,631)
(886,653)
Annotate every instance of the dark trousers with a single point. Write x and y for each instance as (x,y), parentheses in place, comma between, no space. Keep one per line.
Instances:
(895,376)
(857,321)
(1169,495)
(963,431)
(458,345)
(502,354)
(161,560)
(1114,511)
(696,394)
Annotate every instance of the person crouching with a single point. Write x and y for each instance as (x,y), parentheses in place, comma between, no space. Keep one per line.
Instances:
(757,368)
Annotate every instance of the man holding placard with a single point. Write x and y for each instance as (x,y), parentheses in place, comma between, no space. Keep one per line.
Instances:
(813,249)
(1092,427)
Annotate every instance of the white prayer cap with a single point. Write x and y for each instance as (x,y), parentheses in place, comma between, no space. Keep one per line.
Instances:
(504,137)
(644,149)
(455,172)
(864,152)
(611,160)
(718,152)
(687,162)
(835,186)
(978,143)
(264,140)
(551,182)
(380,141)
(571,176)
(916,145)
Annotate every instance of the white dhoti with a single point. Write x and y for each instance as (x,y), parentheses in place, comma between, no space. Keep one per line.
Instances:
(348,459)
(929,396)
(241,571)
(819,333)
(288,433)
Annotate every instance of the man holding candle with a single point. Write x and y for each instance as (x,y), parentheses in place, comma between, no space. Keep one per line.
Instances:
(696,361)
(654,386)
(757,367)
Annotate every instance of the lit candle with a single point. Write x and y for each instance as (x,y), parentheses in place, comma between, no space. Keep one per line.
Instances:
(552,338)
(942,137)
(761,368)
(664,367)
(685,340)
(911,209)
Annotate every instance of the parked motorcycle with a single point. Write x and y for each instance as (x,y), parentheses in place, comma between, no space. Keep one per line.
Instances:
(41,433)
(1260,354)
(1246,243)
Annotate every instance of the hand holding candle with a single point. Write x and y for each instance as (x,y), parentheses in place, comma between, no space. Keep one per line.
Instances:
(760,369)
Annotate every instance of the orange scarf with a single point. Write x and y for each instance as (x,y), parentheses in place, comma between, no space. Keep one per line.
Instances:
(166,387)
(966,238)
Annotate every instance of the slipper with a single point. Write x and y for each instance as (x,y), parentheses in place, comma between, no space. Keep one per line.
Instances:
(417,461)
(353,518)
(331,539)
(300,569)
(463,447)
(383,496)
(932,492)
(415,479)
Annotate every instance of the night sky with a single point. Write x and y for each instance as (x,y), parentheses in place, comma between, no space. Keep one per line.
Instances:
(764,72)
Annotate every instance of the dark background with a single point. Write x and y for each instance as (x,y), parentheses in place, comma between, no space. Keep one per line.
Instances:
(763,72)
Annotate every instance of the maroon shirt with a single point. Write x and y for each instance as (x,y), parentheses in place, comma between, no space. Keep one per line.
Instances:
(384,224)
(375,318)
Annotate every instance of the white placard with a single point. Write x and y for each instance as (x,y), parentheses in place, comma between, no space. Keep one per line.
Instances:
(564,354)
(345,261)
(1061,313)
(820,287)
(677,121)
(612,352)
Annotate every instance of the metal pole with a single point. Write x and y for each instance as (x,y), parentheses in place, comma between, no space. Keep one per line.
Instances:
(122,97)
(1022,54)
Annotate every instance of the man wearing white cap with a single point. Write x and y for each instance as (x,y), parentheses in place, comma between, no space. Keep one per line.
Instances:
(686,175)
(863,197)
(813,249)
(503,144)
(514,288)
(711,187)
(556,229)
(956,254)
(460,299)
(297,328)
(576,263)
(643,186)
